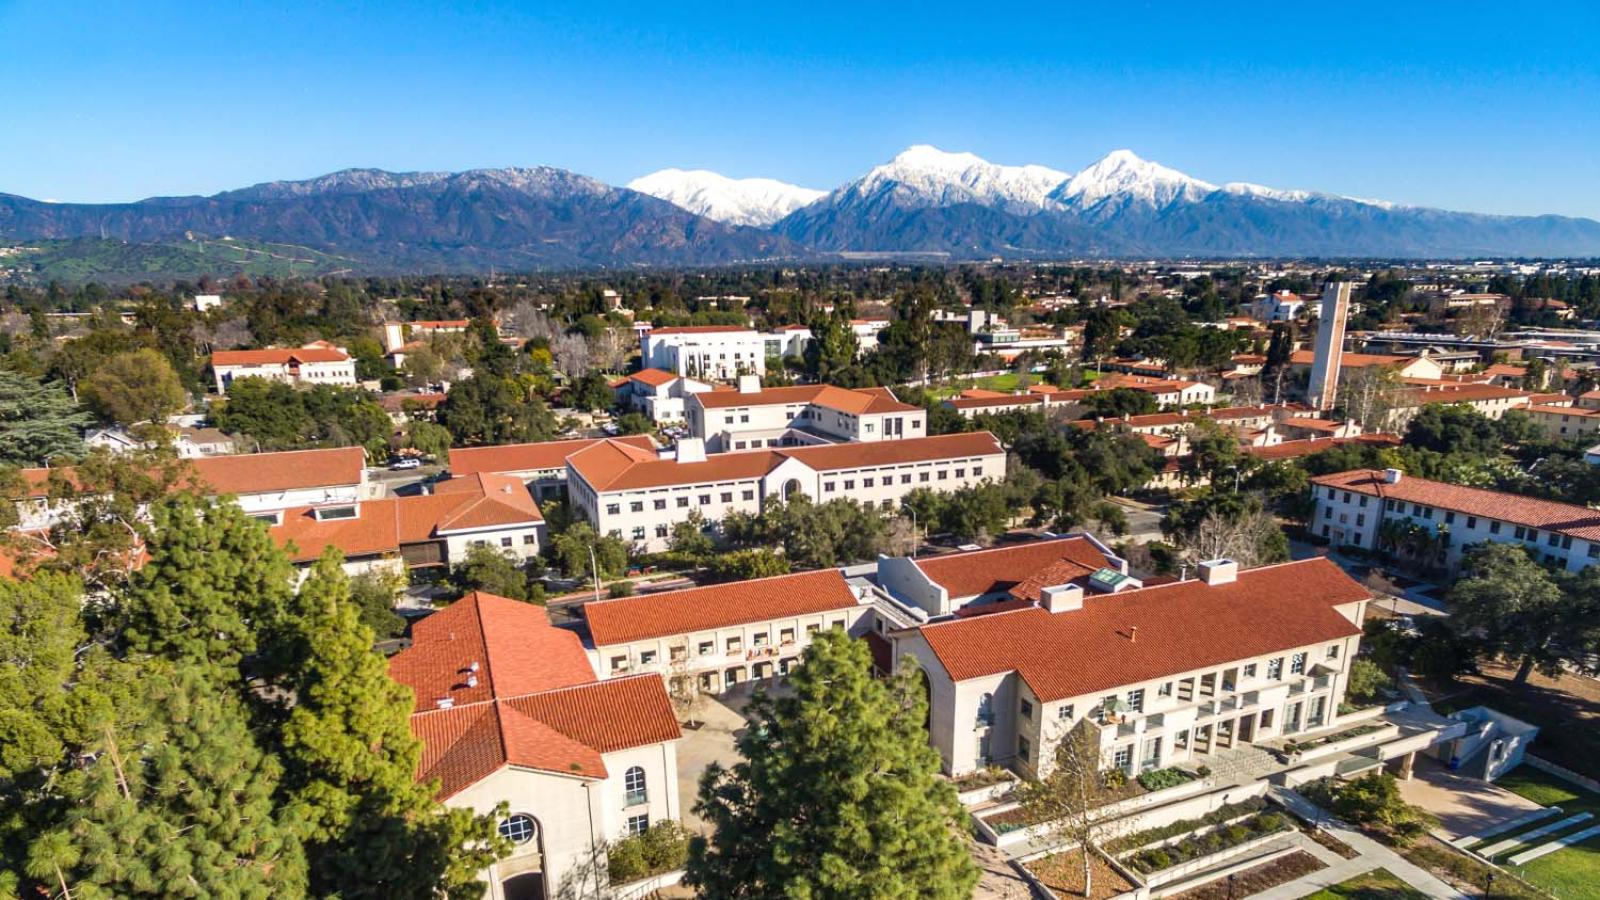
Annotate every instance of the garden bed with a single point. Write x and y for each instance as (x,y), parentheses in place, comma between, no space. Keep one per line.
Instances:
(1016,817)
(1063,874)
(1209,843)
(1222,815)
(1252,881)
(1379,884)
(986,777)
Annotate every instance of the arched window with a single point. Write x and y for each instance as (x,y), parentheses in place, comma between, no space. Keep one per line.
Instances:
(519,829)
(633,786)
(986,709)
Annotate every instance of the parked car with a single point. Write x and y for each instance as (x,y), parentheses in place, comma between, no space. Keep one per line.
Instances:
(401,464)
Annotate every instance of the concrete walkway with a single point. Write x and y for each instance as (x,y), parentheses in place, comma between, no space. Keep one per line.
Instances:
(1373,855)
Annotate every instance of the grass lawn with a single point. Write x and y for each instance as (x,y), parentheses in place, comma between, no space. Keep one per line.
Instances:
(1571,872)
(1379,884)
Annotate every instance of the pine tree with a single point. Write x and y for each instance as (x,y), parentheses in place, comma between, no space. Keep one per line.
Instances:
(836,796)
(214,582)
(372,830)
(38,422)
(175,802)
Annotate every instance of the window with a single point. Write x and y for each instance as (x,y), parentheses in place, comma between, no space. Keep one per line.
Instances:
(836,623)
(646,657)
(1494,527)
(906,478)
(1026,707)
(1136,700)
(986,709)
(1165,690)
(759,639)
(849,484)
(813,628)
(682,502)
(705,499)
(1333,651)
(827,487)
(505,542)
(638,824)
(661,503)
(1449,518)
(519,829)
(1518,532)
(678,651)
(638,532)
(613,508)
(706,647)
(1122,757)
(1275,668)
(636,506)
(1472,521)
(530,539)
(1266,718)
(1249,671)
(868,482)
(922,476)
(786,636)
(1023,750)
(619,664)
(661,531)
(734,644)
(749,495)
(1297,664)
(633,788)
(1064,713)
(944,474)
(961,473)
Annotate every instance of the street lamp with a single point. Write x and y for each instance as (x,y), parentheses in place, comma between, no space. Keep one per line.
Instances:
(594,568)
(1230,886)
(1488,885)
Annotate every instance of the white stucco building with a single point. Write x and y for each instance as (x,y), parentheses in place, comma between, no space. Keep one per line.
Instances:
(751,418)
(714,352)
(316,363)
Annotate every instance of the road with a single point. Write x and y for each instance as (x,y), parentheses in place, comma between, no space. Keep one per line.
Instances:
(1144,519)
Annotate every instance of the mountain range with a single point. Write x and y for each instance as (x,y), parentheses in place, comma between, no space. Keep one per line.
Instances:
(923,201)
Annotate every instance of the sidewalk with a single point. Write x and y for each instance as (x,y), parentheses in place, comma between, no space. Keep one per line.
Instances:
(1373,856)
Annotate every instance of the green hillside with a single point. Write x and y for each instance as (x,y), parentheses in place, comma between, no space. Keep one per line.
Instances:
(118,261)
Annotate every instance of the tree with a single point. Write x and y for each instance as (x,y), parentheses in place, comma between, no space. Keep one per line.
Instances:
(689,537)
(744,565)
(175,800)
(491,570)
(1370,395)
(1119,402)
(1221,524)
(371,830)
(1069,793)
(373,594)
(878,823)
(135,387)
(38,422)
(1511,606)
(572,547)
(488,409)
(1447,428)
(429,439)
(1367,682)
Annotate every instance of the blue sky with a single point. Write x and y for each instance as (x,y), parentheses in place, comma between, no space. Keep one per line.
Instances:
(1488,107)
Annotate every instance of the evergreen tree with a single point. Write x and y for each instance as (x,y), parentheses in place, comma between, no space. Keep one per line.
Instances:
(215,583)
(176,801)
(836,796)
(350,758)
(38,422)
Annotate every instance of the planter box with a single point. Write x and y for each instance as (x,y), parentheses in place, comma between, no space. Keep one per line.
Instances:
(1141,891)
(1386,733)
(1118,810)
(644,887)
(979,795)
(1173,887)
(1201,863)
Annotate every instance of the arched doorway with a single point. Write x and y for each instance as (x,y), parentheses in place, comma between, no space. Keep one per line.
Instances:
(790,488)
(524,868)
(527,886)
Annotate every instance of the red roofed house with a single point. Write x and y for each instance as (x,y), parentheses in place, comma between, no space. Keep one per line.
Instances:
(1353,508)
(317,363)
(509,711)
(1167,674)
(657,393)
(632,493)
(968,582)
(541,465)
(751,417)
(725,634)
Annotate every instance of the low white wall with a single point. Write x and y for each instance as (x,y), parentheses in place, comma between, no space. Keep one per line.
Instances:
(638,890)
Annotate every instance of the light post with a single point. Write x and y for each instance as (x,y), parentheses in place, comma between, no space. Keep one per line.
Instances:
(1488,885)
(912,510)
(594,569)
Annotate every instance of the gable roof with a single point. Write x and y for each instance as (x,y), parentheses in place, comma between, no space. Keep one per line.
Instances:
(1546,515)
(1002,569)
(1153,632)
(669,613)
(653,377)
(848,400)
(534,457)
(535,702)
(260,473)
(278,357)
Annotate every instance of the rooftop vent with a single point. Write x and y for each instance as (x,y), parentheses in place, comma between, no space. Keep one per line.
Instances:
(444,702)
(1219,571)
(1109,581)
(1062,598)
(1392,476)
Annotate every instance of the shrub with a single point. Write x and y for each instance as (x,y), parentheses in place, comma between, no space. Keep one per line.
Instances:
(625,860)
(1368,682)
(1115,779)
(1158,779)
(662,847)
(620,589)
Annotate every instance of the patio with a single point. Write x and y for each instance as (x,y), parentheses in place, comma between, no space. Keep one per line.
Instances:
(1464,805)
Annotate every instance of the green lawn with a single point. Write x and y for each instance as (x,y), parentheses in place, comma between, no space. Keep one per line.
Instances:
(1379,884)
(1571,872)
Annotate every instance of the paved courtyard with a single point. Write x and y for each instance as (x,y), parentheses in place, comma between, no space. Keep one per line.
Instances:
(1464,805)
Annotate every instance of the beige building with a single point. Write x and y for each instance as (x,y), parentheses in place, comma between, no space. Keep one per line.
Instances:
(542,465)
(1166,674)
(1561,423)
(316,363)
(509,711)
(723,635)
(752,418)
(638,496)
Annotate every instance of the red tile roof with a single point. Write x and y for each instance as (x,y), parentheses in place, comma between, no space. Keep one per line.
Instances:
(653,377)
(827,457)
(1154,632)
(1293,449)
(997,402)
(1451,392)
(1546,515)
(855,402)
(1005,568)
(278,357)
(700,329)
(1579,411)
(536,457)
(535,704)
(260,473)
(1352,360)
(688,611)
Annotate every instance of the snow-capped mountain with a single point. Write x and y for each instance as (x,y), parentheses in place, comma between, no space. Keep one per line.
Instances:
(1121,175)
(928,175)
(736,201)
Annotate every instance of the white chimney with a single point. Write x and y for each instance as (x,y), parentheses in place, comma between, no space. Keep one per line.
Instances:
(749,384)
(1062,598)
(691,449)
(1219,571)
(1392,476)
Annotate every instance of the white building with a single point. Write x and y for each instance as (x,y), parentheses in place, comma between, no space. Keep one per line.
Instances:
(509,711)
(751,418)
(542,465)
(714,352)
(1353,506)
(634,494)
(204,303)
(1283,306)
(1166,674)
(723,635)
(318,363)
(657,393)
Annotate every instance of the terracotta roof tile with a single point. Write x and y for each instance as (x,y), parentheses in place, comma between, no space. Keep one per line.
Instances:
(259,473)
(653,377)
(688,611)
(1546,515)
(1004,568)
(856,402)
(535,457)
(1293,449)
(278,357)
(701,329)
(1154,632)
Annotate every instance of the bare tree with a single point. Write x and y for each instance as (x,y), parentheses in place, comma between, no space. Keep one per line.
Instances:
(683,687)
(609,350)
(1246,391)
(571,355)
(526,320)
(1238,538)
(1069,796)
(1370,395)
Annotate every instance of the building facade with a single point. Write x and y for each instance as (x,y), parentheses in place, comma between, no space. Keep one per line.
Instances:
(714,352)
(318,363)
(751,418)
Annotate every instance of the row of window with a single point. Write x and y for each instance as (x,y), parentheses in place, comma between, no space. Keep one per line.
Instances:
(528,540)
(829,487)
(613,509)
(731,645)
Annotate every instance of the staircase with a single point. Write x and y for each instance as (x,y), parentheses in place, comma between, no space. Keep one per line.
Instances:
(1240,764)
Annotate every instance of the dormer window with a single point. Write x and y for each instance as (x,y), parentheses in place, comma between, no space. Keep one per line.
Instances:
(329,513)
(270,518)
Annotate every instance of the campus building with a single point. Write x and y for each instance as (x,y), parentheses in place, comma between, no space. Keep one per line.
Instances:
(509,711)
(708,352)
(542,465)
(316,363)
(638,496)
(1360,506)
(751,418)
(1166,674)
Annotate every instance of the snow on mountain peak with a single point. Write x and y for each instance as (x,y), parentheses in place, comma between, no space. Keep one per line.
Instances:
(940,178)
(1122,172)
(736,201)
